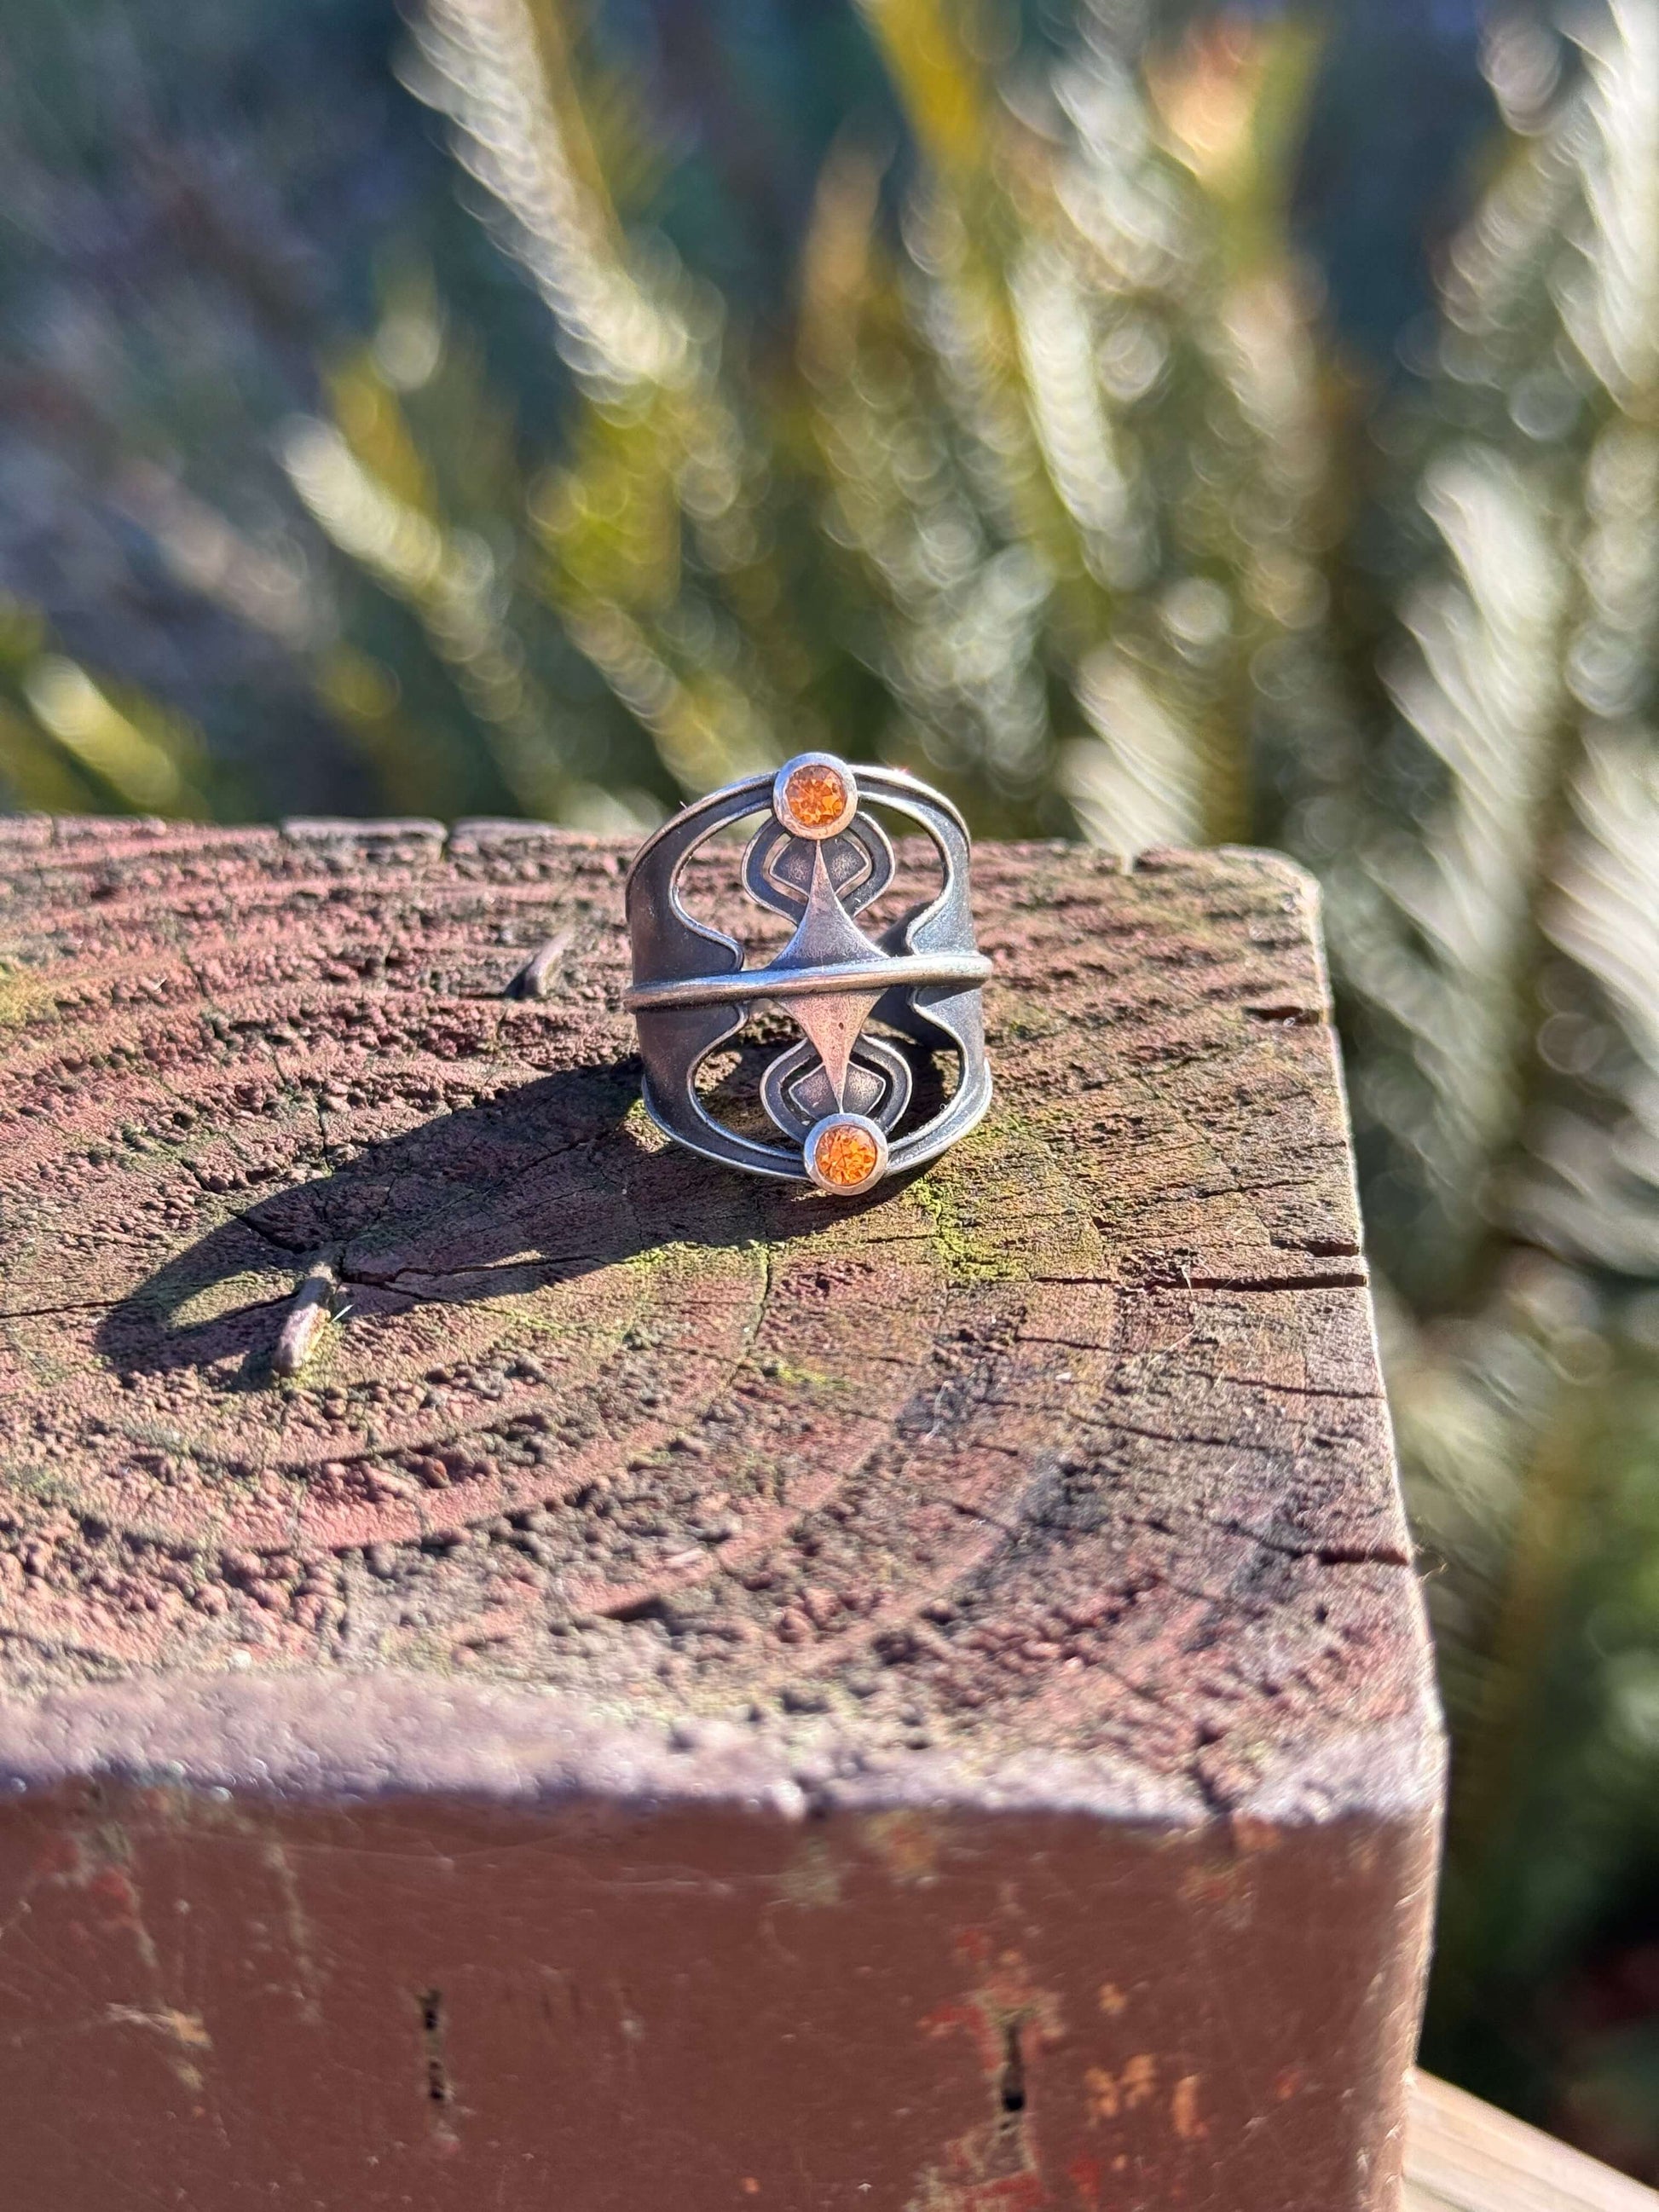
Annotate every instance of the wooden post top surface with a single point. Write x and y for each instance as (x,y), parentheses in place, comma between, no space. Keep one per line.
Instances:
(1060,1475)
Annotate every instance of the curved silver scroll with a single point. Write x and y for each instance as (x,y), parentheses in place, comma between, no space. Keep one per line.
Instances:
(858,999)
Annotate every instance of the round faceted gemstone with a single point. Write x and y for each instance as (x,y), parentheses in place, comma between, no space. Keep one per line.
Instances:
(845,1155)
(815,795)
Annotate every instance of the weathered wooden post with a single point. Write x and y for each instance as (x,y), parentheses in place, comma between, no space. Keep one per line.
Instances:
(683,1695)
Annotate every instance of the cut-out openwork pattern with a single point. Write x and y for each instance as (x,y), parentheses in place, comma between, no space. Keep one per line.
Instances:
(867,1006)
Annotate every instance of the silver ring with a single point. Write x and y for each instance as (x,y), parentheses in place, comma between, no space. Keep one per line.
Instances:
(874,1011)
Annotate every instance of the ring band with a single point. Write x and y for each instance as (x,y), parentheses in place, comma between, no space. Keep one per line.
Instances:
(872,1010)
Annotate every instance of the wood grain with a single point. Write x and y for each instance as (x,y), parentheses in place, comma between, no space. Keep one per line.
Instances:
(1463,2156)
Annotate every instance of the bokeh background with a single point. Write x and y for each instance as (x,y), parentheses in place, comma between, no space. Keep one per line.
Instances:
(1155,424)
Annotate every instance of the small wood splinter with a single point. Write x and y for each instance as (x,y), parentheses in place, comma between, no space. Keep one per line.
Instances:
(313,1305)
(535,979)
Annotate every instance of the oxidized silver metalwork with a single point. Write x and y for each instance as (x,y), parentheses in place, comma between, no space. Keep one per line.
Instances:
(869,1009)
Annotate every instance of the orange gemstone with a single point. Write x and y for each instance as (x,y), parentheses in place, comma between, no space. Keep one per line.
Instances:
(816,795)
(845,1154)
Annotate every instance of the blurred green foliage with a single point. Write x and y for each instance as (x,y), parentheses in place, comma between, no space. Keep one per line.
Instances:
(980,416)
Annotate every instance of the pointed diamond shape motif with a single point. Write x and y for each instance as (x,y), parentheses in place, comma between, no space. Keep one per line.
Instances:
(832,1025)
(827,936)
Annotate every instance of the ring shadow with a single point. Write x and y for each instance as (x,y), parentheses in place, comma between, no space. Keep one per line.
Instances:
(538,1185)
